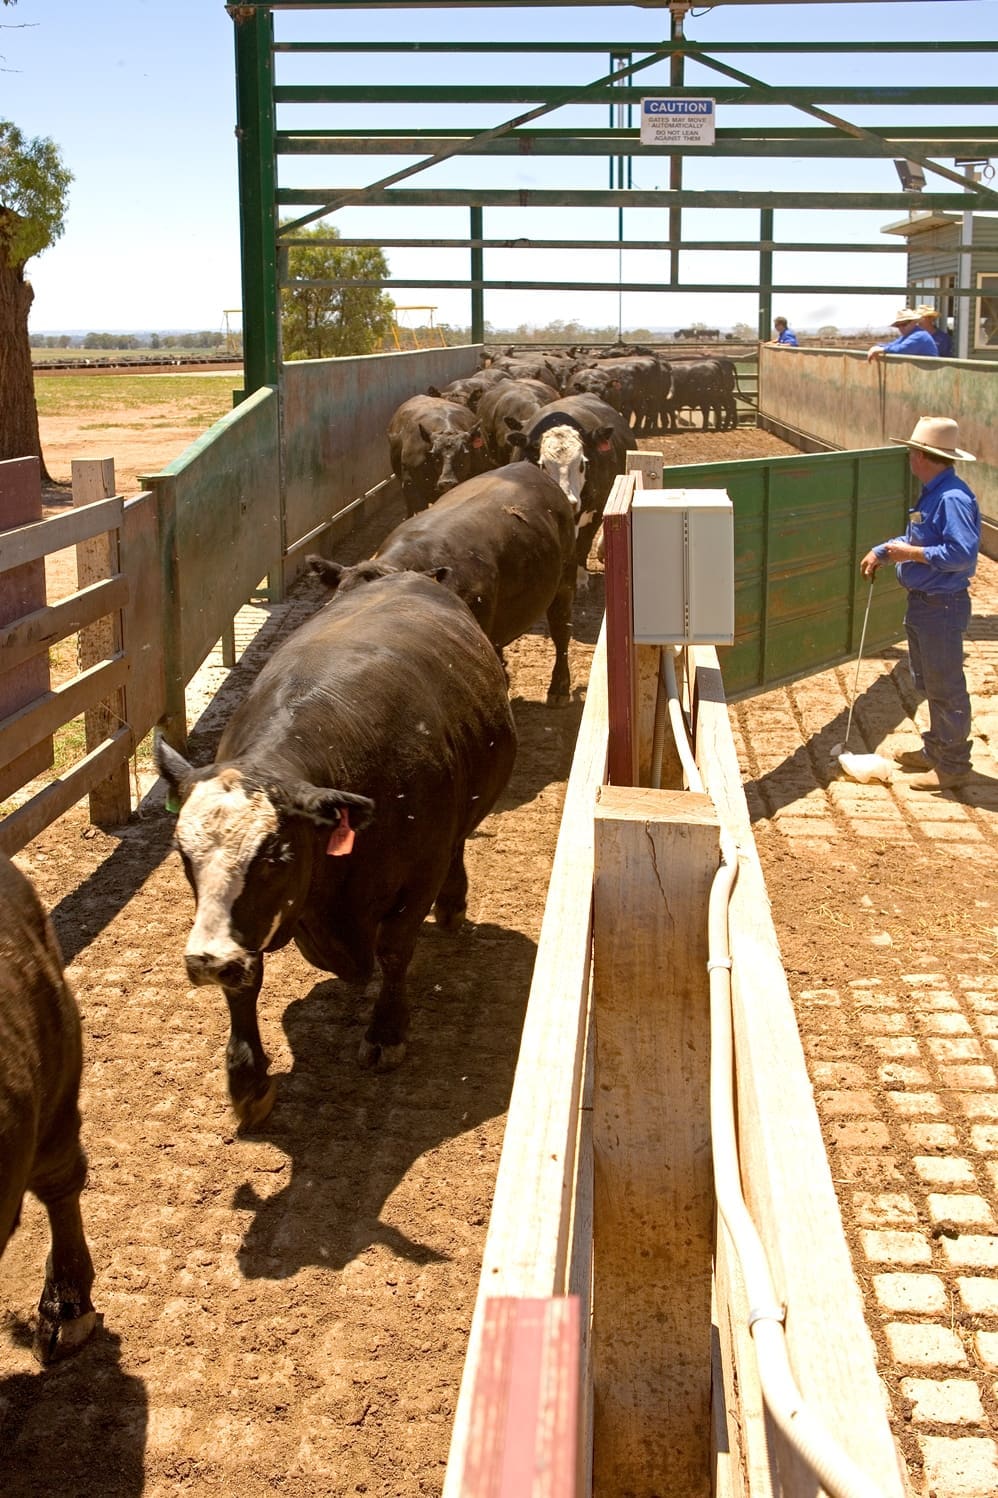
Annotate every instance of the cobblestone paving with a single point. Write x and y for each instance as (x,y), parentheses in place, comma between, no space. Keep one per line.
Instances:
(903,1051)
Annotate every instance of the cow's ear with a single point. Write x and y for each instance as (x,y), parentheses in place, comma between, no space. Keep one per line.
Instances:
(321,804)
(514,423)
(432,390)
(330,574)
(426,436)
(174,769)
(475,438)
(603,439)
(439,574)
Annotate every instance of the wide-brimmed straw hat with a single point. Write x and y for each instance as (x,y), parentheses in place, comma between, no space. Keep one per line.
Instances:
(937,435)
(926,312)
(907,314)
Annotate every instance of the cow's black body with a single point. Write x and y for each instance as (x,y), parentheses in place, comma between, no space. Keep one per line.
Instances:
(635,385)
(606,438)
(40,1150)
(388,705)
(707,385)
(512,403)
(507,540)
(434,444)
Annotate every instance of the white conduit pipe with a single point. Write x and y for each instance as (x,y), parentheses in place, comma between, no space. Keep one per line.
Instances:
(837,1473)
(667,677)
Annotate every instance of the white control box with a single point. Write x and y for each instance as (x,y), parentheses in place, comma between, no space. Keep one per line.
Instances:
(683,567)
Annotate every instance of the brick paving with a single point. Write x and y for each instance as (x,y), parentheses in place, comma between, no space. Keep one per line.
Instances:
(903,1062)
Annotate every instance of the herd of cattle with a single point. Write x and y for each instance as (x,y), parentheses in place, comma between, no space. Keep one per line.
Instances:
(373,743)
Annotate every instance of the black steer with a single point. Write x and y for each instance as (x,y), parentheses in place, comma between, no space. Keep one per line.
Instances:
(605,439)
(507,542)
(385,717)
(40,1062)
(434,444)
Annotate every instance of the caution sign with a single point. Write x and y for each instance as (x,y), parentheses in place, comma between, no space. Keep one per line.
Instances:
(677,122)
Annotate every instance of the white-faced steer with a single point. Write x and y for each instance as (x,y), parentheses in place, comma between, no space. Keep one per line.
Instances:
(40,1062)
(505,543)
(373,742)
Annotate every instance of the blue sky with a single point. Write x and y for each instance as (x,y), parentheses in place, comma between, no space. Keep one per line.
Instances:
(139,96)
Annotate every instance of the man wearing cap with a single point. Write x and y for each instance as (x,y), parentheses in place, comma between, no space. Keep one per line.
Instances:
(911,338)
(941,336)
(936,558)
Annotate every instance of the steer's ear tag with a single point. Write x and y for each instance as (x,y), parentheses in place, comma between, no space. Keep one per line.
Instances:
(604,446)
(173,803)
(341,837)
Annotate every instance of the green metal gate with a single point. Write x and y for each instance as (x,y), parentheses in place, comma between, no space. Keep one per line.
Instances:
(802,524)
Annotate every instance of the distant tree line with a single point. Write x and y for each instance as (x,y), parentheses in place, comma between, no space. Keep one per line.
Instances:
(206,340)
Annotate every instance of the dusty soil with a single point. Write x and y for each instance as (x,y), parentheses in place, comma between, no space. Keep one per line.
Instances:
(288,1311)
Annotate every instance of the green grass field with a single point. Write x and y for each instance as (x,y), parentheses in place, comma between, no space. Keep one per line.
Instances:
(196,398)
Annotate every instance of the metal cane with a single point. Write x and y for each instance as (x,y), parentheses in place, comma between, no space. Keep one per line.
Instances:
(855,680)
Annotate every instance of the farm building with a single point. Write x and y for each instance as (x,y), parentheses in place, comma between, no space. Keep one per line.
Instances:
(945,251)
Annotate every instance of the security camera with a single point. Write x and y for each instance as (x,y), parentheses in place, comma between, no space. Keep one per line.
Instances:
(911,174)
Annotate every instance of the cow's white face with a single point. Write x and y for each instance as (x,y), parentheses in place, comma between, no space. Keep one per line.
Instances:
(561,455)
(222,827)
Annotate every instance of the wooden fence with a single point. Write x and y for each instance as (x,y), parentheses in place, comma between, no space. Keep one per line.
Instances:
(162,576)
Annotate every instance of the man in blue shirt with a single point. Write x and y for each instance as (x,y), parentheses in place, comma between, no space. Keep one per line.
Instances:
(941,336)
(783,334)
(936,558)
(911,338)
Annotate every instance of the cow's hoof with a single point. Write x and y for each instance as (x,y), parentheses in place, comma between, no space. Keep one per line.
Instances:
(253,1111)
(377,1057)
(559,699)
(54,1340)
(449,920)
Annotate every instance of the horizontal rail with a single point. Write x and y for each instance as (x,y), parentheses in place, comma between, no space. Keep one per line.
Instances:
(625,93)
(586,198)
(684,48)
(27,543)
(492,283)
(614,143)
(32,633)
(20,826)
(753,246)
(44,715)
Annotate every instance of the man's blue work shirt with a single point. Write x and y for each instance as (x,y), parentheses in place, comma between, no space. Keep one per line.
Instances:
(943,340)
(787,337)
(918,341)
(947,522)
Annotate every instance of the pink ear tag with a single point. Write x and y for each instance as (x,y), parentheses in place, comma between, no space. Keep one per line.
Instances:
(341,836)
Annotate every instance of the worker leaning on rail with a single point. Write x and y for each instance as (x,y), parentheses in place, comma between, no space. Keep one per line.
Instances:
(928,318)
(785,337)
(911,338)
(936,558)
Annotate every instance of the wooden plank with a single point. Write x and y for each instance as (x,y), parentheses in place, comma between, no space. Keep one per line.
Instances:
(740,1451)
(622,768)
(28,543)
(35,632)
(22,591)
(17,829)
(649,465)
(30,724)
(145,689)
(527,1250)
(98,558)
(522,1438)
(785,1173)
(656,853)
(580,1269)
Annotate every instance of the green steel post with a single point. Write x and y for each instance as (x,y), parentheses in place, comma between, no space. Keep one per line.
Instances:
(477,274)
(676,77)
(254,35)
(765,274)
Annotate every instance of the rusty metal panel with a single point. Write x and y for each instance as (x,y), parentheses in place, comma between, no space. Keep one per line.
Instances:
(801,525)
(22,590)
(220,513)
(835,395)
(335,415)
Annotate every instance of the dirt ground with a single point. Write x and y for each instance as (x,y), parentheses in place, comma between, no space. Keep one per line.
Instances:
(288,1311)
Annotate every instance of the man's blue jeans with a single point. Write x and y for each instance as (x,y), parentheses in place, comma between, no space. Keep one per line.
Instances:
(936,623)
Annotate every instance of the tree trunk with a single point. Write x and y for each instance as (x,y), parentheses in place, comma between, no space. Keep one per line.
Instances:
(18,413)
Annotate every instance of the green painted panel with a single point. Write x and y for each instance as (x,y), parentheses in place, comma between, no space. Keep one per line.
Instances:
(801,525)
